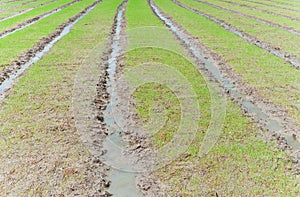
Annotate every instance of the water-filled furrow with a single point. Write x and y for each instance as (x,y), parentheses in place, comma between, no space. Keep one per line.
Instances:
(268,121)
(8,82)
(24,11)
(33,20)
(123,181)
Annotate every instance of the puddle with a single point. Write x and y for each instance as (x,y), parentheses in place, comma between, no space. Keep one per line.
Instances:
(270,124)
(122,177)
(292,141)
(8,83)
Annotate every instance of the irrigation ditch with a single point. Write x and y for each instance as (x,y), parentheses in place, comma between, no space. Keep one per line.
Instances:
(106,139)
(10,73)
(268,116)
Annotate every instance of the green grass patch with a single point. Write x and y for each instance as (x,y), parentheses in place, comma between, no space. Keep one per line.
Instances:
(286,41)
(286,4)
(41,148)
(12,22)
(274,78)
(268,8)
(259,14)
(239,164)
(13,45)
(15,3)
(11,11)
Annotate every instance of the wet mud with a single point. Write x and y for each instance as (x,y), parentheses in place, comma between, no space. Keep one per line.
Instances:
(291,59)
(34,20)
(289,29)
(271,118)
(122,177)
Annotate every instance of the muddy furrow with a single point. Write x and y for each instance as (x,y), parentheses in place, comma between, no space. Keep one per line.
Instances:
(268,116)
(262,10)
(291,59)
(10,73)
(25,10)
(122,183)
(34,20)
(289,29)
(275,6)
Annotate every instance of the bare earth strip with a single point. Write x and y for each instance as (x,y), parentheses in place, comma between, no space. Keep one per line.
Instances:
(294,61)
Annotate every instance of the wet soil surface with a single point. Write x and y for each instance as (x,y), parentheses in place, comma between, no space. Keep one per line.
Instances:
(34,20)
(289,29)
(126,143)
(121,176)
(263,10)
(12,70)
(291,59)
(25,10)
(280,127)
(59,164)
